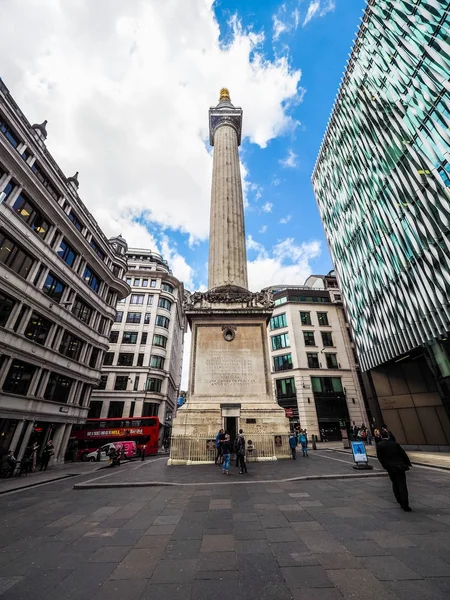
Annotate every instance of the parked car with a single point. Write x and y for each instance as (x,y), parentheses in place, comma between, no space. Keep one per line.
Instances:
(129,449)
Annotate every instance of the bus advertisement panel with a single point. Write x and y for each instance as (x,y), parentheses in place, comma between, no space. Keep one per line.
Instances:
(95,433)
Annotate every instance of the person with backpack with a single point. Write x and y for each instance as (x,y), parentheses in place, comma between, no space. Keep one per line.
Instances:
(226,452)
(396,462)
(303,439)
(240,452)
(293,445)
(220,437)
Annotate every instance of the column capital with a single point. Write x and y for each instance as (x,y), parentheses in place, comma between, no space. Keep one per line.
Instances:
(225,114)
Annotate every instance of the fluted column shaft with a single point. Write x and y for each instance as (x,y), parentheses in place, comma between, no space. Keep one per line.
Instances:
(227,252)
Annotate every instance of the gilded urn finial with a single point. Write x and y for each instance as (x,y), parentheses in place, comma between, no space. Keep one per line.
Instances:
(224,94)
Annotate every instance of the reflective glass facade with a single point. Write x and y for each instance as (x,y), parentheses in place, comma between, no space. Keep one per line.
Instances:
(382,179)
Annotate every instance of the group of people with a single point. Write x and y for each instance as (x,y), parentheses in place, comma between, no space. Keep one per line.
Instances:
(28,462)
(361,433)
(224,449)
(296,438)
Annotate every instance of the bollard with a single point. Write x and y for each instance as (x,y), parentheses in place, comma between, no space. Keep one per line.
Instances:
(314,440)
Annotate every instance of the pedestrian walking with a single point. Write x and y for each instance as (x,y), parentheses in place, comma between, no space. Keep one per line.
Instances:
(49,451)
(220,437)
(143,452)
(389,433)
(396,462)
(240,452)
(293,445)
(377,435)
(303,439)
(355,431)
(226,452)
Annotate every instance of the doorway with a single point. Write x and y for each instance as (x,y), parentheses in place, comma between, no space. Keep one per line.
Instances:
(231,427)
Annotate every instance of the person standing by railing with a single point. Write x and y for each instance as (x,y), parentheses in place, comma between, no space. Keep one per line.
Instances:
(226,451)
(240,452)
(220,437)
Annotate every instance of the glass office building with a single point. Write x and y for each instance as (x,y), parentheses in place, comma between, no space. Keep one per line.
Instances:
(382,183)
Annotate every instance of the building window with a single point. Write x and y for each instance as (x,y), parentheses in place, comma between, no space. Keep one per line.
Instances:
(153,384)
(115,409)
(125,359)
(67,253)
(137,299)
(8,189)
(147,318)
(308,336)
(12,256)
(150,409)
(137,282)
(136,383)
(82,310)
(164,303)
(134,317)
(19,378)
(326,385)
(6,306)
(42,178)
(280,341)
(285,387)
(104,326)
(92,279)
(278,321)
(322,317)
(58,388)
(279,301)
(162,321)
(38,329)
(119,316)
(144,337)
(5,128)
(282,363)
(129,337)
(159,340)
(108,359)
(32,217)
(75,220)
(305,318)
(95,409)
(337,297)
(98,251)
(94,356)
(166,287)
(132,408)
(140,360)
(121,383)
(54,288)
(102,383)
(157,362)
(327,339)
(71,346)
(332,362)
(153,283)
(145,283)
(114,337)
(129,280)
(150,300)
(313,360)
(309,299)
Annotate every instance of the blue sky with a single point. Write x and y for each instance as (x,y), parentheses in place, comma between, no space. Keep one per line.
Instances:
(126,87)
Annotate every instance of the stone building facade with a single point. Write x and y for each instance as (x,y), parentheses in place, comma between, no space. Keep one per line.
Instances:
(141,373)
(314,369)
(60,279)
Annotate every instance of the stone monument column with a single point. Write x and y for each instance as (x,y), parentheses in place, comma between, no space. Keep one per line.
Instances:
(227,254)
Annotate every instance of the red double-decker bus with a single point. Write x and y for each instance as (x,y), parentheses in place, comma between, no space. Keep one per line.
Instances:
(95,433)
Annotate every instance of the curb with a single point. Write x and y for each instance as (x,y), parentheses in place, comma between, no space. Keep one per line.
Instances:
(37,483)
(139,484)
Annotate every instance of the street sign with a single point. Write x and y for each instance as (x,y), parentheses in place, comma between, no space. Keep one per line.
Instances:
(289,412)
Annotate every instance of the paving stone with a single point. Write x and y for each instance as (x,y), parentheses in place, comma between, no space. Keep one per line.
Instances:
(218,543)
(293,554)
(253,547)
(139,563)
(390,540)
(316,594)
(245,517)
(167,591)
(217,561)
(290,507)
(181,549)
(7,583)
(175,571)
(365,548)
(220,575)
(121,589)
(417,590)
(110,554)
(243,534)
(259,569)
(299,495)
(161,529)
(339,561)
(153,541)
(321,542)
(268,591)
(209,590)
(389,568)
(164,520)
(357,583)
(423,562)
(274,521)
(281,535)
(309,577)
(307,526)
(84,582)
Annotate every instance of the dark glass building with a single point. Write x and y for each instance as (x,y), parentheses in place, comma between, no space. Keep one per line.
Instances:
(382,183)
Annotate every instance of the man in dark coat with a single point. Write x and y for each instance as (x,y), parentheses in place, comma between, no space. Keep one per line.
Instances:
(394,459)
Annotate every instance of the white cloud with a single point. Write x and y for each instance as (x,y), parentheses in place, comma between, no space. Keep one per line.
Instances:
(276,181)
(263,229)
(287,263)
(318,8)
(285,21)
(126,87)
(285,220)
(290,162)
(267,207)
(278,27)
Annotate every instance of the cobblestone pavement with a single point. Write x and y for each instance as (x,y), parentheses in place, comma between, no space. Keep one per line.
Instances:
(323,539)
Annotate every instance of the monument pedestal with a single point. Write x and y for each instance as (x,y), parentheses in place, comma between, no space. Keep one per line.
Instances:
(229,382)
